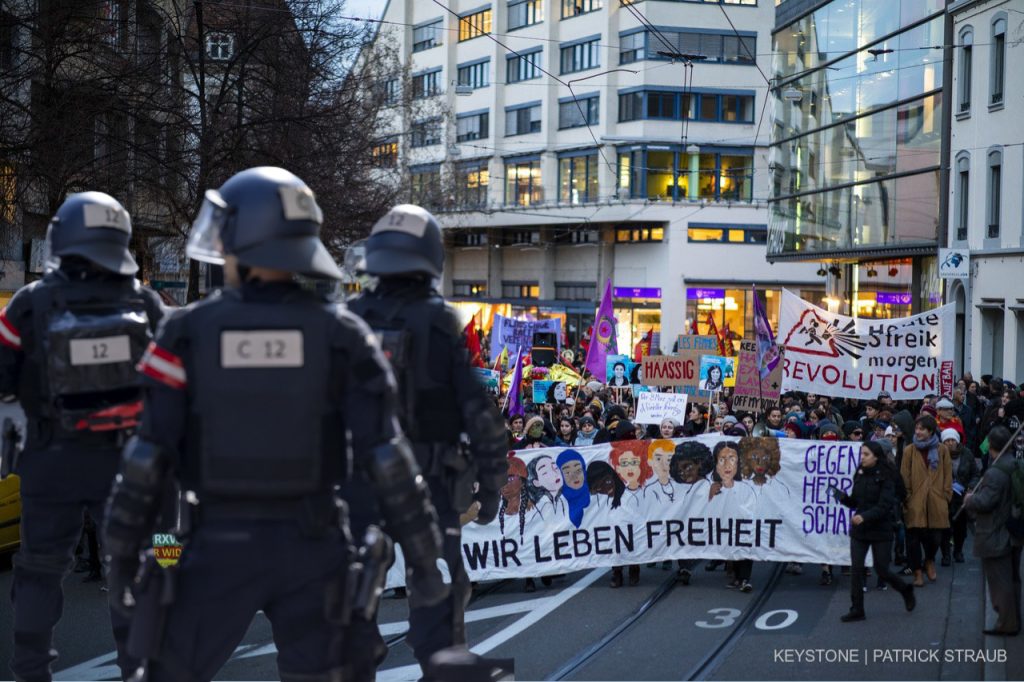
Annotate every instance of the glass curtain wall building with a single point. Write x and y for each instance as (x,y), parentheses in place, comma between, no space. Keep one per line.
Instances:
(858,137)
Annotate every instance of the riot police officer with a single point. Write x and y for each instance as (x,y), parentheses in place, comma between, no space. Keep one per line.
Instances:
(440,400)
(68,347)
(253,398)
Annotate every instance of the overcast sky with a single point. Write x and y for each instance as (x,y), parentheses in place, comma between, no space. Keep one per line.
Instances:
(365,8)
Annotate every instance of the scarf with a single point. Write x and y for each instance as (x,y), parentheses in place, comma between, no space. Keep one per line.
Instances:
(931,447)
(578,498)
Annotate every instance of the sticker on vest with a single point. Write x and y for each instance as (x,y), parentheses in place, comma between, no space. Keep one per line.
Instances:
(107,350)
(261,349)
(103,216)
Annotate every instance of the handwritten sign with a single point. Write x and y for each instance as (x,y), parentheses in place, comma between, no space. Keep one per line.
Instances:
(654,408)
(748,396)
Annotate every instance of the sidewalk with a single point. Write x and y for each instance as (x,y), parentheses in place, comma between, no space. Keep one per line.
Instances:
(1013,669)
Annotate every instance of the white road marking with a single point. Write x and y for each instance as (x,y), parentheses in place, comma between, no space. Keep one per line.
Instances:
(543,608)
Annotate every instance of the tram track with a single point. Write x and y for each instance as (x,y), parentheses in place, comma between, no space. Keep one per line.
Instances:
(475,597)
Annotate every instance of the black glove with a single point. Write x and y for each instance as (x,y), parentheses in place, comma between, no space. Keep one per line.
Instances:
(426,585)
(120,580)
(837,494)
(489,502)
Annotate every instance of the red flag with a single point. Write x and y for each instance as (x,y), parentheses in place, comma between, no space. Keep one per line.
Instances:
(642,347)
(473,345)
(713,331)
(726,340)
(693,327)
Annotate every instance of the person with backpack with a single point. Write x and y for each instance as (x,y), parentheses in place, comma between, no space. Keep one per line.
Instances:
(997,505)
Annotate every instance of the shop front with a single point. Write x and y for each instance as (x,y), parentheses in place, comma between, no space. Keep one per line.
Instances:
(637,311)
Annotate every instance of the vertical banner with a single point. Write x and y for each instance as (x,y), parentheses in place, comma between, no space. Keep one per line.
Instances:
(835,355)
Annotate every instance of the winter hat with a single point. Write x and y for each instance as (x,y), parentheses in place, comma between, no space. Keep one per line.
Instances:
(794,429)
(928,409)
(904,421)
(736,430)
(887,447)
(944,404)
(729,419)
(533,421)
(595,386)
(884,394)
(889,431)
(828,431)
(587,419)
(624,430)
(851,426)
(950,434)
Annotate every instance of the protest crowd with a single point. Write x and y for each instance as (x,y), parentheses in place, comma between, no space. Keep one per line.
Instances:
(920,462)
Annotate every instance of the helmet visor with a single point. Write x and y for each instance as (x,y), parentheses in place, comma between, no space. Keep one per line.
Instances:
(205,242)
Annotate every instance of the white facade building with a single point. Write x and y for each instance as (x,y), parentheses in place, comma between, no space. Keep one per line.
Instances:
(986,183)
(646,179)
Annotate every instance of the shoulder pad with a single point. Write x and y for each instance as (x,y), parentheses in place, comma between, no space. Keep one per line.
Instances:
(446,318)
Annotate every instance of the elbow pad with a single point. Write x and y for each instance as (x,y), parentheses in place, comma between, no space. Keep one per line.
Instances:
(135,499)
(489,444)
(405,502)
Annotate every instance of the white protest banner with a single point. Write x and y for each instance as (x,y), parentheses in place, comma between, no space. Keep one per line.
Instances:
(636,502)
(835,355)
(654,408)
(512,333)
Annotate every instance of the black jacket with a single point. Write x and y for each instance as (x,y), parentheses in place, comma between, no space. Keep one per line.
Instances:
(873,497)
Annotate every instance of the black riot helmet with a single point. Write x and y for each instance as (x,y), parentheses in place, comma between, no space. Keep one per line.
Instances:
(265,217)
(93,226)
(406,241)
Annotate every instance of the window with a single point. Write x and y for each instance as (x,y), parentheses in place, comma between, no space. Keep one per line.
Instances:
(523,185)
(572,8)
(728,234)
(115,32)
(385,154)
(576,235)
(469,238)
(577,179)
(995,173)
(523,66)
(626,234)
(525,13)
(425,186)
(426,84)
(966,66)
(670,174)
(519,237)
(661,105)
(426,36)
(474,25)
(471,184)
(575,291)
(469,289)
(520,290)
(474,126)
(631,47)
(961,196)
(998,60)
(737,109)
(391,91)
(631,107)
(220,46)
(426,133)
(522,120)
(714,47)
(581,56)
(476,75)
(576,115)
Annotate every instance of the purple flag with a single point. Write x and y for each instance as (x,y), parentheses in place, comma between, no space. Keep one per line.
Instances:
(603,340)
(767,350)
(515,389)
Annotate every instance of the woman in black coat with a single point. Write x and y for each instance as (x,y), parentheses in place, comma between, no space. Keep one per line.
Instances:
(873,499)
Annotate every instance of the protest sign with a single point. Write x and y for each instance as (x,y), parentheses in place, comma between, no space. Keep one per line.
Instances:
(546,391)
(629,503)
(489,379)
(747,395)
(513,333)
(653,408)
(713,372)
(618,369)
(681,369)
(835,355)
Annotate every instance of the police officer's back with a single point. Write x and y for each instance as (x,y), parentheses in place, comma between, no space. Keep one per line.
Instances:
(254,397)
(440,400)
(68,347)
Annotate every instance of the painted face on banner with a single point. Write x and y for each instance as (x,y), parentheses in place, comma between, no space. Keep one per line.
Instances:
(726,464)
(573,473)
(688,471)
(628,470)
(660,459)
(760,461)
(548,475)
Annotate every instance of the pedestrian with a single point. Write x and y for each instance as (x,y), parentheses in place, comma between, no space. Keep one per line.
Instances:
(928,476)
(441,399)
(1000,553)
(68,348)
(966,474)
(253,397)
(873,499)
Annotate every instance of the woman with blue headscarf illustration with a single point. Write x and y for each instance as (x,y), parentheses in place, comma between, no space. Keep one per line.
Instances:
(574,489)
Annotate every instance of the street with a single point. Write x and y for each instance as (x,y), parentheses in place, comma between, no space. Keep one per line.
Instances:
(580,629)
